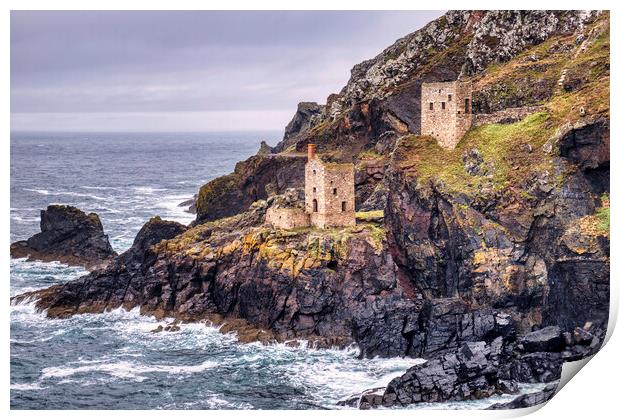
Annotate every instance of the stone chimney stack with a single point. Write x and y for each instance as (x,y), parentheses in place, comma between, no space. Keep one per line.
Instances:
(311,148)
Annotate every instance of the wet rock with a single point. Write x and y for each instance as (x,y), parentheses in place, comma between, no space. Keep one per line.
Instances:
(527,400)
(67,235)
(368,399)
(190,204)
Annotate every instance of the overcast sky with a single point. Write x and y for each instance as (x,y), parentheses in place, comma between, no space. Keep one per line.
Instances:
(186,71)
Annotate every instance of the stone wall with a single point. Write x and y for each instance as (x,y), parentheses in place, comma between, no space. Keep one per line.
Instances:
(287,218)
(505,116)
(330,194)
(446,111)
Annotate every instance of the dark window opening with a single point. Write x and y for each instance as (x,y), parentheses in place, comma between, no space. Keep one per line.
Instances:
(467,105)
(335,191)
(315,206)
(313,189)
(314,172)
(430,106)
(449,98)
(443,105)
(344,206)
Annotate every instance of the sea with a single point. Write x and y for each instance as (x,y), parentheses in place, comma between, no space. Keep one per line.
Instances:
(113,360)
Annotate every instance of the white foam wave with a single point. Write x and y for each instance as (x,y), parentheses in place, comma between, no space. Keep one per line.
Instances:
(172,211)
(88,187)
(43,192)
(148,190)
(67,193)
(27,387)
(124,369)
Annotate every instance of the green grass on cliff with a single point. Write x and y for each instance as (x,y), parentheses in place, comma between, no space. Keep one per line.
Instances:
(503,147)
(602,214)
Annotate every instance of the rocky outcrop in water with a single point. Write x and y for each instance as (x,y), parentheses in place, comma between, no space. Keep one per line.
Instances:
(67,235)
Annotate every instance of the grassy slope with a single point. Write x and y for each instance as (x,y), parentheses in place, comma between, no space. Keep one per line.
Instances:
(514,152)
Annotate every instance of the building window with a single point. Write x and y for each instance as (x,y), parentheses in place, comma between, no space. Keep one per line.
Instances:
(314,172)
(430,106)
(467,105)
(313,189)
(443,105)
(335,191)
(315,205)
(344,206)
(449,98)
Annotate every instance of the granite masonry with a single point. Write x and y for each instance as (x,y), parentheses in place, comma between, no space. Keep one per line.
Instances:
(446,111)
(329,197)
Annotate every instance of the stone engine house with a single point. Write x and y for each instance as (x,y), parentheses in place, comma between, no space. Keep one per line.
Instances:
(446,111)
(329,197)
(330,192)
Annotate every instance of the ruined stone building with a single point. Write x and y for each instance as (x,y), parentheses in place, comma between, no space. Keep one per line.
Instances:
(446,111)
(329,197)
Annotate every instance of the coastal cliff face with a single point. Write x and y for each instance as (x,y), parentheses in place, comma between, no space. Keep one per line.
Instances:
(506,234)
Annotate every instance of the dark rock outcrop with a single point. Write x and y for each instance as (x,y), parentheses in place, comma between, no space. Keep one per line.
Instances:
(67,235)
(477,370)
(306,116)
(469,373)
(190,204)
(546,339)
(527,400)
(254,179)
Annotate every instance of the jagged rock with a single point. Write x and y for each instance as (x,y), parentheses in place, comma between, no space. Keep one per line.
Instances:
(264,149)
(253,179)
(153,232)
(67,235)
(545,339)
(527,400)
(190,204)
(368,399)
(306,116)
(534,367)
(469,373)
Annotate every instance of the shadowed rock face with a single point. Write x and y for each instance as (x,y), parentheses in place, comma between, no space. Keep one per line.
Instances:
(67,235)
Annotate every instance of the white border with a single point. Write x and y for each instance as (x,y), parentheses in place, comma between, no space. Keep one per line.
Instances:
(592,395)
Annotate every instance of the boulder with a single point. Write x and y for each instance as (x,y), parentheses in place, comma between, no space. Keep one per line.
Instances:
(527,400)
(546,339)
(67,235)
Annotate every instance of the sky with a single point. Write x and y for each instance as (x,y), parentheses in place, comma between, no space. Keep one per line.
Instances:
(186,70)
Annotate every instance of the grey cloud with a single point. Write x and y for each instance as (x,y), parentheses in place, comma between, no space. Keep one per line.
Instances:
(117,61)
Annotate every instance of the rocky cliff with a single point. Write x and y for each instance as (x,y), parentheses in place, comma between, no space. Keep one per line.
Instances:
(506,234)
